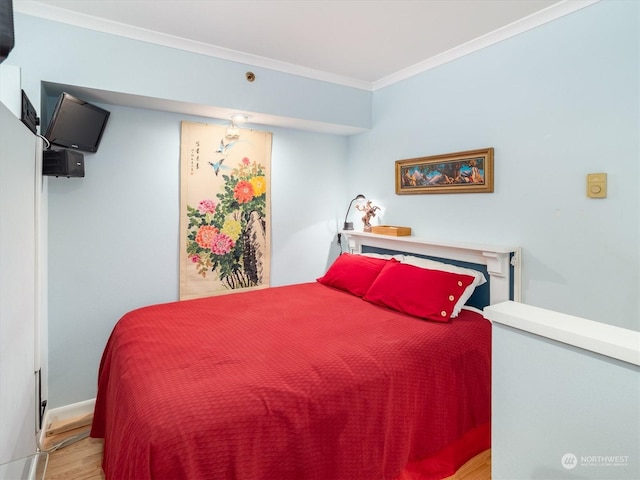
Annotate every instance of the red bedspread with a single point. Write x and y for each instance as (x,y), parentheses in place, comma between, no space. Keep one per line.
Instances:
(291,383)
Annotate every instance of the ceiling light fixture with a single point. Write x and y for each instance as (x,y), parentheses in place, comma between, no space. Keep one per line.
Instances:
(233,131)
(239,117)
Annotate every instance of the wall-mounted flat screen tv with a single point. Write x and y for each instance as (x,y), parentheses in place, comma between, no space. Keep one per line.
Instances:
(76,124)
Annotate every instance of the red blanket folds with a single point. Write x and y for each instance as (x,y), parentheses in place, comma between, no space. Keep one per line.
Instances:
(296,382)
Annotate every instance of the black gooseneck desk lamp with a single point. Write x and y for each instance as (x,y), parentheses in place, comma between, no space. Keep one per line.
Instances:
(349,225)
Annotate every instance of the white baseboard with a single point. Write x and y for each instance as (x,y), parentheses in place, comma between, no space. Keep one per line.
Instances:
(66,412)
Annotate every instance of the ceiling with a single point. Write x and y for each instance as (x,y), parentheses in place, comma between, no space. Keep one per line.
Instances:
(361,43)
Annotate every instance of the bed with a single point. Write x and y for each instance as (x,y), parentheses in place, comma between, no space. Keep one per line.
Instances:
(361,374)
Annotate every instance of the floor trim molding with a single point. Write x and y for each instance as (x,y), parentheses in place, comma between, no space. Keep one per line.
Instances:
(66,414)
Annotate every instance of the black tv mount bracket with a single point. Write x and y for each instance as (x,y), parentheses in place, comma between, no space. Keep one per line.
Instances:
(29,116)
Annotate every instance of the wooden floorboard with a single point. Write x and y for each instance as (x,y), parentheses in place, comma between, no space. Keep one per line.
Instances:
(82,461)
(79,461)
(478,468)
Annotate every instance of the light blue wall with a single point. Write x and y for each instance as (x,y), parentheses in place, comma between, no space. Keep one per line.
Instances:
(580,402)
(59,53)
(113,235)
(556,103)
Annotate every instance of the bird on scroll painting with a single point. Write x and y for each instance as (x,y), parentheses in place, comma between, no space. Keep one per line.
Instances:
(221,150)
(217,166)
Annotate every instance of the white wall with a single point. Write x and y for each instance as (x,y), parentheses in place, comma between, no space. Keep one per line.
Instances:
(17,288)
(556,103)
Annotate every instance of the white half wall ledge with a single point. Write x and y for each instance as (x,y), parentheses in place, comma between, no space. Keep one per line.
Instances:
(609,340)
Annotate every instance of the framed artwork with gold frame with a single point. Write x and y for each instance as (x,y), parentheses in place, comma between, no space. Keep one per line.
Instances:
(460,172)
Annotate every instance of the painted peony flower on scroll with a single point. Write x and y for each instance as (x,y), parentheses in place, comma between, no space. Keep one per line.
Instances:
(227,235)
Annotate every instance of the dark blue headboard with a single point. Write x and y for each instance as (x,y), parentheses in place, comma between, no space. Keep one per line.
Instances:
(500,265)
(481,296)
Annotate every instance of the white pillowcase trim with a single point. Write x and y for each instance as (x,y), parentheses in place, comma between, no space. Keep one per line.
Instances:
(478,277)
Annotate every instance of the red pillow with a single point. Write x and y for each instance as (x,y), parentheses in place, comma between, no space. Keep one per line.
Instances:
(423,293)
(353,273)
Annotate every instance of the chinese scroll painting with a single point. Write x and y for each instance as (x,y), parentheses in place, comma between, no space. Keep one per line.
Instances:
(224,210)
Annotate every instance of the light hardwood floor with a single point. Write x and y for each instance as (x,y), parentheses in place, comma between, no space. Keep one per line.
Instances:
(79,461)
(82,461)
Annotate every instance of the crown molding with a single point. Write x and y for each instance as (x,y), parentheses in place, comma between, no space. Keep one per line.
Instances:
(530,22)
(49,12)
(56,14)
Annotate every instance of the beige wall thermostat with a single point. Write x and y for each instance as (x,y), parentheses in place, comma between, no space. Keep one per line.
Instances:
(597,185)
